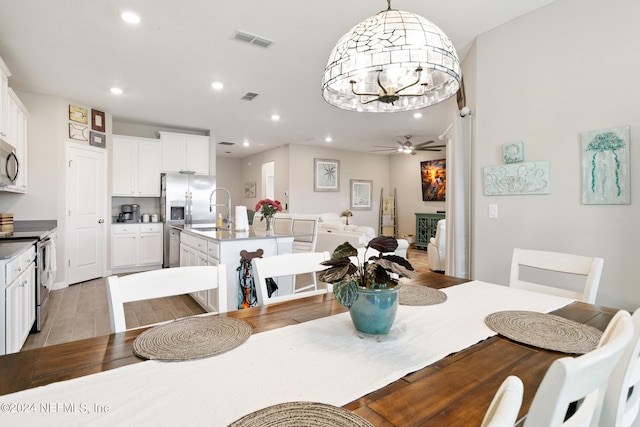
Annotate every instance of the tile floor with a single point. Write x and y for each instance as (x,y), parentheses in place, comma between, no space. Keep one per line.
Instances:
(81,311)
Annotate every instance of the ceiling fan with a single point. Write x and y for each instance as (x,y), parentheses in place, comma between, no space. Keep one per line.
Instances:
(408,148)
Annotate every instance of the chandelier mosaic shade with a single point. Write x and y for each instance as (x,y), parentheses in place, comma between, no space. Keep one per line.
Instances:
(393,61)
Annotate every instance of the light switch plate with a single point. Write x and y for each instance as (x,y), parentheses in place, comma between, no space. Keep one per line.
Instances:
(493,211)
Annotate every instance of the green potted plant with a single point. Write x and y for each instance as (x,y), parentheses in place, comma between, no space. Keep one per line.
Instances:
(368,286)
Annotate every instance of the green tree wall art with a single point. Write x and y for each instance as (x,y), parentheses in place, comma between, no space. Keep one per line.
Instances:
(605,167)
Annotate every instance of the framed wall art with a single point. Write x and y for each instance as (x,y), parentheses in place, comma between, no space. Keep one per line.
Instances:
(77,114)
(519,178)
(97,120)
(250,189)
(433,176)
(361,194)
(97,139)
(513,153)
(78,132)
(326,175)
(605,167)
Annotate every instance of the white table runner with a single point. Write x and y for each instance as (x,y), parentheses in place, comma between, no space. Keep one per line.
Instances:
(322,360)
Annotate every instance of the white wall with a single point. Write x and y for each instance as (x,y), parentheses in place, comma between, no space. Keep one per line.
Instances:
(362,166)
(543,79)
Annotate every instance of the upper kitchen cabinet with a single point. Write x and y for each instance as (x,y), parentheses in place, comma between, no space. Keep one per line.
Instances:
(136,166)
(184,152)
(17,136)
(4,99)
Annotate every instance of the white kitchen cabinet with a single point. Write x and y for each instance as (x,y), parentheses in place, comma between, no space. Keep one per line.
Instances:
(194,252)
(18,307)
(136,166)
(184,152)
(17,137)
(136,246)
(4,99)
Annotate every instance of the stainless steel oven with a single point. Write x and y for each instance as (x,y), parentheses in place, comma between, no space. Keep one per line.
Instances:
(46,274)
(9,165)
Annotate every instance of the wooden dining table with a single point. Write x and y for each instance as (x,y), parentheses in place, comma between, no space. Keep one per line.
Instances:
(454,391)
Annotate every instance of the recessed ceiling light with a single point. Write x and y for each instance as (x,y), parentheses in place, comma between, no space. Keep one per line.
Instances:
(116,91)
(130,17)
(328,139)
(275,117)
(217,85)
(245,144)
(417,115)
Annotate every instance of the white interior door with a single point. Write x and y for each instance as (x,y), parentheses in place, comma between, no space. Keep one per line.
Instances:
(86,200)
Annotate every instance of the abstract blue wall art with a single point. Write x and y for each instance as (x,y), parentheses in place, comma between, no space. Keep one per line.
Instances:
(605,167)
(518,178)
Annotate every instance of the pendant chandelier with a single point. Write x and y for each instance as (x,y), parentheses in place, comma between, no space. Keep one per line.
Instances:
(393,61)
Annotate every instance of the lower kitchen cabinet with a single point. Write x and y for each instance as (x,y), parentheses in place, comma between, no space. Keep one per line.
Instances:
(136,246)
(19,308)
(194,251)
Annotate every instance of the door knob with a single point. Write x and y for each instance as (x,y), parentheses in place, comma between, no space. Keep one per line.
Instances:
(100,221)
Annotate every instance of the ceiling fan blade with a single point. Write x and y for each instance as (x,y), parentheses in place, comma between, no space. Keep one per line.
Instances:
(422,144)
(385,146)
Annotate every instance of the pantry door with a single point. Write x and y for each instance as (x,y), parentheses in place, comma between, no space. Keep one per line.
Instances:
(86,204)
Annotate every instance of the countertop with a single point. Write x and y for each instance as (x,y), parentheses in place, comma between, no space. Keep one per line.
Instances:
(10,249)
(211,232)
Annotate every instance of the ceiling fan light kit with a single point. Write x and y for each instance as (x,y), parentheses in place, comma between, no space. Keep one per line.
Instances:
(393,61)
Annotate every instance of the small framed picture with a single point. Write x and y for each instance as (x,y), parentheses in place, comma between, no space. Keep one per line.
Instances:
(513,153)
(327,175)
(78,132)
(77,114)
(97,120)
(250,189)
(361,194)
(97,139)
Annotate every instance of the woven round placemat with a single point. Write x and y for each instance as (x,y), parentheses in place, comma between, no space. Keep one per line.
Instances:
(545,331)
(301,414)
(191,338)
(421,295)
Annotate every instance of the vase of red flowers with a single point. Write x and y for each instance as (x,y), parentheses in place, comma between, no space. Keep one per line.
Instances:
(268,208)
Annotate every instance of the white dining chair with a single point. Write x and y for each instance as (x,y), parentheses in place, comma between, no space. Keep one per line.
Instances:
(305,226)
(580,381)
(282,224)
(163,283)
(589,268)
(258,223)
(287,265)
(622,400)
(505,406)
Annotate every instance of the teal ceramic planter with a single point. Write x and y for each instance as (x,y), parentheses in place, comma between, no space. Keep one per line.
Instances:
(374,311)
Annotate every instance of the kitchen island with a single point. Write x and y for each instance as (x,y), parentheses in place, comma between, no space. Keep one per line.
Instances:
(204,244)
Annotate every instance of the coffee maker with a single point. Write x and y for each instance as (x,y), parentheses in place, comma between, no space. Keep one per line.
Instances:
(129,213)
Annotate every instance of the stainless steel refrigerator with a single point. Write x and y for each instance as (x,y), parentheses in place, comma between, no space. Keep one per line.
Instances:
(184,199)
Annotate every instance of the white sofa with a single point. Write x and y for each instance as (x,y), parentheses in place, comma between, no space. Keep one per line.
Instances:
(333,231)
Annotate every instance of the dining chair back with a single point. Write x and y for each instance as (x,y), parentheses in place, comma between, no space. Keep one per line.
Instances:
(589,268)
(163,283)
(282,225)
(572,391)
(622,400)
(258,223)
(305,226)
(505,406)
(287,265)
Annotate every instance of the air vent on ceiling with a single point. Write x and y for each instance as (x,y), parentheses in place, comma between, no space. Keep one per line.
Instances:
(227,143)
(249,96)
(252,39)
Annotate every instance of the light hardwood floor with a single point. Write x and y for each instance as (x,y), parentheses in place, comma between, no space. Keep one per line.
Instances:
(81,311)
